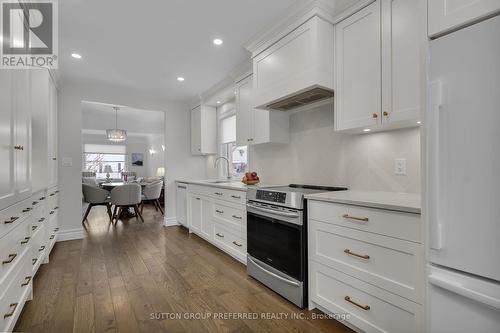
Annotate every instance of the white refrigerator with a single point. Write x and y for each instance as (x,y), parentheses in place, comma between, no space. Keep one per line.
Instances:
(463,180)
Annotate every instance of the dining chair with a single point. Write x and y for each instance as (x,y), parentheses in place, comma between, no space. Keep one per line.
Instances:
(95,196)
(151,194)
(125,196)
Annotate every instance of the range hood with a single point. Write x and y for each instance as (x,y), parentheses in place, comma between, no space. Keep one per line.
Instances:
(312,95)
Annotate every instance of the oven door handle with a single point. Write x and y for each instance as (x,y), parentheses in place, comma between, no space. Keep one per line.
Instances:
(272,211)
(293,283)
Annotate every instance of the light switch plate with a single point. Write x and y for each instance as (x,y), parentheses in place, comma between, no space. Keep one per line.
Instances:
(67,162)
(400,166)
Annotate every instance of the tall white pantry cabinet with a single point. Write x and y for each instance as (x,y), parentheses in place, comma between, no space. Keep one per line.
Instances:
(28,184)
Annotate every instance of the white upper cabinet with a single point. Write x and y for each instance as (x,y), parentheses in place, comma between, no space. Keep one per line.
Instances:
(358,69)
(377,67)
(203,130)
(401,68)
(44,129)
(449,15)
(15,137)
(256,126)
(301,60)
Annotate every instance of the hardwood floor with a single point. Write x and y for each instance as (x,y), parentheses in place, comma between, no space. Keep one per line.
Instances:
(126,278)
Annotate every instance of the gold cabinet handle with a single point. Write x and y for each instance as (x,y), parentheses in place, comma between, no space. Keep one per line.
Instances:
(219,211)
(41,248)
(56,229)
(364,307)
(26,210)
(237,217)
(27,281)
(18,147)
(56,207)
(386,114)
(33,228)
(42,219)
(25,241)
(218,193)
(221,236)
(52,236)
(51,194)
(34,203)
(33,261)
(375,115)
(362,256)
(42,198)
(362,219)
(13,307)
(235,196)
(12,256)
(51,212)
(198,199)
(12,220)
(239,245)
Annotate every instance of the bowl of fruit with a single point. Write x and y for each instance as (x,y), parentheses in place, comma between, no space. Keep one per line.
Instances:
(251,178)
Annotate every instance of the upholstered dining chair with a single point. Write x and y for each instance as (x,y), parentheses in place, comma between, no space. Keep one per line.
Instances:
(125,196)
(95,196)
(151,194)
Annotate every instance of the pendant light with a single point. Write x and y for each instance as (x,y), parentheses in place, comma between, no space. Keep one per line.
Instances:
(116,134)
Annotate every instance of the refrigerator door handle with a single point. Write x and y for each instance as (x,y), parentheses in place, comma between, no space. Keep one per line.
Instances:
(435,94)
(462,290)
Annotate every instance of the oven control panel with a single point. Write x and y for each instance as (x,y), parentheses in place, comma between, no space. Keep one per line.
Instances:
(279,197)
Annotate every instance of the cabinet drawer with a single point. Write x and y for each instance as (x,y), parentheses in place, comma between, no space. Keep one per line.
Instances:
(15,295)
(389,263)
(235,217)
(13,246)
(388,223)
(229,195)
(230,241)
(371,309)
(14,215)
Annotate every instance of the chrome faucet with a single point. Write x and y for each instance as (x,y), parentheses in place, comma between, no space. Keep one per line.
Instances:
(227,161)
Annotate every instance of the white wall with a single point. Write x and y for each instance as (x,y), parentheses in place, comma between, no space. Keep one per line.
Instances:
(318,155)
(179,161)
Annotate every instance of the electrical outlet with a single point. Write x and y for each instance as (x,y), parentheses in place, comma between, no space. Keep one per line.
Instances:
(400,166)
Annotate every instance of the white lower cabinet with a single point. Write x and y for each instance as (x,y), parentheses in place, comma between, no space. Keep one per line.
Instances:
(181,203)
(28,231)
(218,216)
(363,264)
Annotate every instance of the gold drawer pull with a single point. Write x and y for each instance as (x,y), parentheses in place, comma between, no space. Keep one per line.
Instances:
(235,197)
(18,147)
(362,219)
(56,229)
(219,211)
(362,256)
(221,236)
(52,236)
(12,219)
(26,210)
(34,203)
(42,198)
(51,194)
(364,307)
(237,217)
(239,245)
(51,212)
(218,193)
(33,261)
(12,306)
(33,228)
(56,207)
(25,241)
(41,248)
(12,256)
(27,281)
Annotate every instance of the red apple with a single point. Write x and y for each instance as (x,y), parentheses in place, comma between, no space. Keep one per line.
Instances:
(248,175)
(254,174)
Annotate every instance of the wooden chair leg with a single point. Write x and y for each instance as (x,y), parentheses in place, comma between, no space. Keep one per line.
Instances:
(108,208)
(154,204)
(159,207)
(138,213)
(142,206)
(86,213)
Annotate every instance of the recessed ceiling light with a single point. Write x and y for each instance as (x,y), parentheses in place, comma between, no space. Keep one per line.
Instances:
(366,130)
(218,41)
(218,102)
(180,78)
(76,56)
(419,122)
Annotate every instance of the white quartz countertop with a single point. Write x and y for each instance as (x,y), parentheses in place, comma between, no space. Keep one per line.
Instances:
(234,185)
(404,202)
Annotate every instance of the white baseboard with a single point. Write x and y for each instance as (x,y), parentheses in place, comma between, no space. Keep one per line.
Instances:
(170,221)
(70,234)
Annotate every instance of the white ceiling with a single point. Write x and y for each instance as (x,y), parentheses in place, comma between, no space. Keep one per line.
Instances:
(97,117)
(145,45)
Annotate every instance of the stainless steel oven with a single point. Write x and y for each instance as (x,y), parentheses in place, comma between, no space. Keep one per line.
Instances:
(277,238)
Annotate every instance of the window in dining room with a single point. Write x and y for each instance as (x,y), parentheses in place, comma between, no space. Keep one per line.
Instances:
(96,158)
